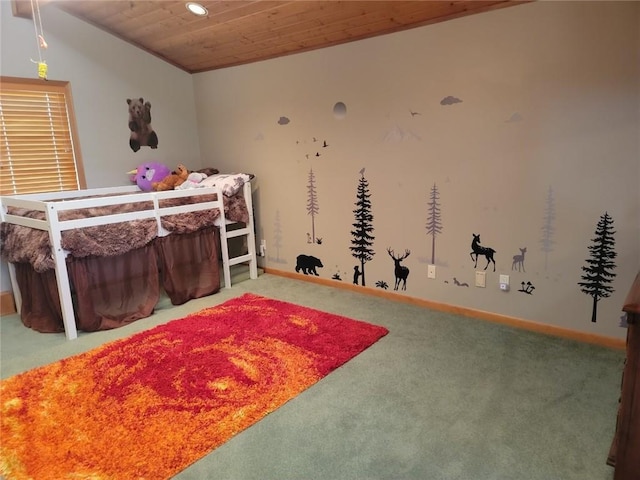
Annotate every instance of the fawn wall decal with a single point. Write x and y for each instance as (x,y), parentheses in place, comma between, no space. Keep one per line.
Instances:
(518,260)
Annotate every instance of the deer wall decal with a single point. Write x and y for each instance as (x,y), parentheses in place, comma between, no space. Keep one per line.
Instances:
(401,272)
(518,260)
(478,249)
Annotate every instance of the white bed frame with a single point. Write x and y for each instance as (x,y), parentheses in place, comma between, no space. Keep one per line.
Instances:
(53,203)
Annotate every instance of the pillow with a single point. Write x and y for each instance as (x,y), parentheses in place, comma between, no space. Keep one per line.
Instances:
(229,183)
(208,171)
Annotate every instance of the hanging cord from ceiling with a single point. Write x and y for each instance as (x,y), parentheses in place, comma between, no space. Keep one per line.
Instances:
(40,41)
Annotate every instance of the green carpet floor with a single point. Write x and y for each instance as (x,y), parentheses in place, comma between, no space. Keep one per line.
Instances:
(441,397)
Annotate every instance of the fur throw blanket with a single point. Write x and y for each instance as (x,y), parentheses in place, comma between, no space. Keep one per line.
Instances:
(27,245)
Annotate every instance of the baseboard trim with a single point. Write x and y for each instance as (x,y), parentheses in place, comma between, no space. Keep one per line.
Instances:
(552,330)
(7,304)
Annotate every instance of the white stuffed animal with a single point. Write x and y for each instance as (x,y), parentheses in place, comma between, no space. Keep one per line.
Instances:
(194,180)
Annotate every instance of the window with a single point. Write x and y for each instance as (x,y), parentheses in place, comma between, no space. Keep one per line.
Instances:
(38,139)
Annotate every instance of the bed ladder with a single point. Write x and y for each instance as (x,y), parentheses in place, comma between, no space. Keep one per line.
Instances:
(246,231)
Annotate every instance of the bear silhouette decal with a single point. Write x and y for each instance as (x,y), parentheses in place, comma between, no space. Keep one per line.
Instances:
(308,264)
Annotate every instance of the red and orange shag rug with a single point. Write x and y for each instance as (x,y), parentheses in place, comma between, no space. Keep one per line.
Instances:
(148,406)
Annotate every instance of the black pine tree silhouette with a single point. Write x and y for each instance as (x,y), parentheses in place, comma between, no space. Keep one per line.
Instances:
(599,270)
(548,228)
(312,203)
(362,239)
(434,220)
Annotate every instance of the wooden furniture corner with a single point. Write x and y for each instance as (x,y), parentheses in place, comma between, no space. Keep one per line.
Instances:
(624,454)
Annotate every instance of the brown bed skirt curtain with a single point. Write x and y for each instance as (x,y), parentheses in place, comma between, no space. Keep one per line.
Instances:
(189,264)
(40,302)
(107,292)
(114,291)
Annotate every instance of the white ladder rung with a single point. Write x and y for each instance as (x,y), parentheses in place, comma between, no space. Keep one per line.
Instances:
(237,233)
(241,259)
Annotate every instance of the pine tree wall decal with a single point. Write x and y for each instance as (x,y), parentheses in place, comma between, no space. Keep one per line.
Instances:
(277,237)
(548,227)
(434,219)
(362,240)
(312,203)
(599,269)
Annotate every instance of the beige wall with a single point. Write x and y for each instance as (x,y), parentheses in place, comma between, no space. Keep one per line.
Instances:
(550,103)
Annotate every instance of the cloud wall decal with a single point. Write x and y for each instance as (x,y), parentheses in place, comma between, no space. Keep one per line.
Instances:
(450,100)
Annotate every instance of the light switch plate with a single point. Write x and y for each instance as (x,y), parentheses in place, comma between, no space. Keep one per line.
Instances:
(431,271)
(481,279)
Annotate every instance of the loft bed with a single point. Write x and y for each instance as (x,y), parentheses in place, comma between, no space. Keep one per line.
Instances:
(139,238)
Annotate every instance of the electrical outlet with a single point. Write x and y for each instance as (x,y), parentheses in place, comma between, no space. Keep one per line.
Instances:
(431,271)
(481,279)
(504,283)
(263,248)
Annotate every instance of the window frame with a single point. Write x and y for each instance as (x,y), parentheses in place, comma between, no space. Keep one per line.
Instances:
(60,87)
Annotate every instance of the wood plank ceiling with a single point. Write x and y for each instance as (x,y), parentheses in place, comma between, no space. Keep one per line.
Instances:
(237,32)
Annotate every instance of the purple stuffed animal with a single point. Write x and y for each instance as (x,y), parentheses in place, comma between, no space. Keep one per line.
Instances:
(147,173)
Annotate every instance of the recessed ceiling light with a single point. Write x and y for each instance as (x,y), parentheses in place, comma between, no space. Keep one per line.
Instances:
(196,9)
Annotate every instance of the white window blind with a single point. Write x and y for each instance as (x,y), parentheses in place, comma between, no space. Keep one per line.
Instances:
(38,151)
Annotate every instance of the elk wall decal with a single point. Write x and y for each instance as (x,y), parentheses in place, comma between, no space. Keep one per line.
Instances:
(401,272)
(478,249)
